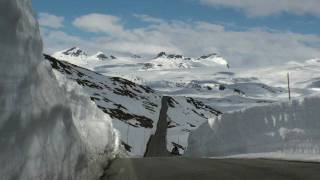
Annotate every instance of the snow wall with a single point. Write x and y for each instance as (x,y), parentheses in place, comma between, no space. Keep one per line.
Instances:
(46,131)
(289,128)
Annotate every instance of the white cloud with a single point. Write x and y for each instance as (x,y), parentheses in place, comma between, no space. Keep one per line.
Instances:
(147,18)
(55,40)
(269,7)
(99,23)
(247,47)
(49,20)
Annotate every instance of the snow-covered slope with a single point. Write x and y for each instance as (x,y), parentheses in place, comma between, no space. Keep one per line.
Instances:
(302,74)
(99,56)
(287,128)
(135,108)
(47,132)
(208,59)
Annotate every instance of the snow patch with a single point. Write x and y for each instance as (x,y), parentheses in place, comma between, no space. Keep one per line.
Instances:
(285,133)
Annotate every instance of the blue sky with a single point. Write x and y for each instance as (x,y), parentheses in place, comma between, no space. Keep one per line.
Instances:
(287,24)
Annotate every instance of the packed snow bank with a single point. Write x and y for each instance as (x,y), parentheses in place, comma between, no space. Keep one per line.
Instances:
(46,132)
(286,128)
(276,156)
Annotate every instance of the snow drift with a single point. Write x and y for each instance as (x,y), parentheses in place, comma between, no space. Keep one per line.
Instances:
(286,128)
(46,131)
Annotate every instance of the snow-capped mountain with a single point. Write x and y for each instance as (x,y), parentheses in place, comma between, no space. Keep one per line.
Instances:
(100,56)
(208,59)
(136,56)
(80,57)
(73,53)
(165,61)
(135,108)
(162,61)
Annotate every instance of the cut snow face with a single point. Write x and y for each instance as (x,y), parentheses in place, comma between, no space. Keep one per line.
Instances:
(288,128)
(135,108)
(47,131)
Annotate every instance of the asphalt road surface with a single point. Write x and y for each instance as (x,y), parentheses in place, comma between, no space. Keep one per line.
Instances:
(157,145)
(180,168)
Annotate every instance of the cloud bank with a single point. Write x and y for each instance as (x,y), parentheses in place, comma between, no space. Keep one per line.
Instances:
(51,21)
(255,8)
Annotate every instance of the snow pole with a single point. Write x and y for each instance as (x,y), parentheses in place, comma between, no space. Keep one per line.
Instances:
(128,133)
(289,91)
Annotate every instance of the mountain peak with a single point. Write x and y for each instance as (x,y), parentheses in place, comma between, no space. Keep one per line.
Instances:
(101,56)
(136,56)
(313,61)
(113,57)
(170,56)
(75,52)
(161,54)
(208,56)
(214,57)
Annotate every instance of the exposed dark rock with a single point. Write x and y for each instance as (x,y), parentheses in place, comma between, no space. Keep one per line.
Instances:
(178,145)
(200,105)
(191,125)
(207,56)
(94,99)
(74,52)
(172,102)
(161,54)
(175,56)
(147,66)
(102,57)
(222,87)
(150,106)
(136,56)
(126,146)
(238,91)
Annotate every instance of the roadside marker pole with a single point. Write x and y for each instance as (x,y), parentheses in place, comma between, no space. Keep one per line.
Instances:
(289,91)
